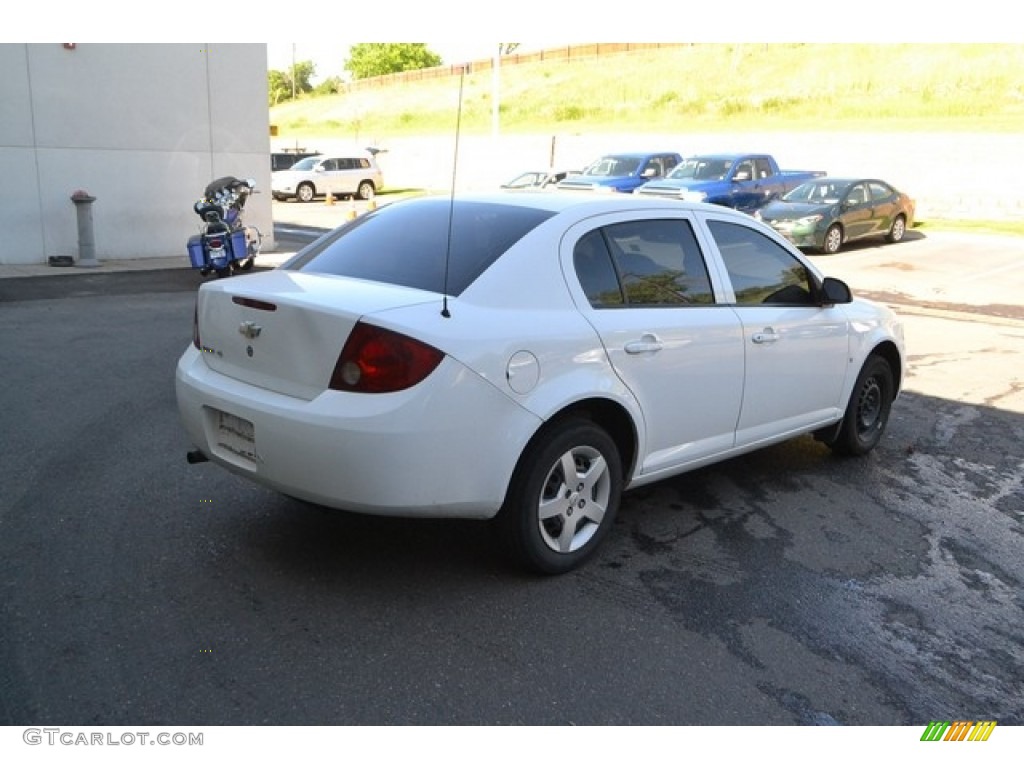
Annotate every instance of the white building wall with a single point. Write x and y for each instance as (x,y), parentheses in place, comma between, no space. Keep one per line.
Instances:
(141,127)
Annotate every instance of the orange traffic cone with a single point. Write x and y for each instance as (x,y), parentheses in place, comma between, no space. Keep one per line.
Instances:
(371,205)
(351,212)
(329,200)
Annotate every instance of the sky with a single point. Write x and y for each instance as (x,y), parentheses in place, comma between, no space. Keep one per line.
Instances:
(468,25)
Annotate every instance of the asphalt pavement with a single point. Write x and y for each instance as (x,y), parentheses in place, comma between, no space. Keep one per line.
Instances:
(784,587)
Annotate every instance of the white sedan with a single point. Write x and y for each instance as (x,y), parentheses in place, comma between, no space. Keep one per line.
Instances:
(527,357)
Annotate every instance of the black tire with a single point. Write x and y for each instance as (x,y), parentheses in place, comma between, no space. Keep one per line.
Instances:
(305,192)
(224,272)
(833,239)
(550,540)
(897,230)
(366,190)
(867,413)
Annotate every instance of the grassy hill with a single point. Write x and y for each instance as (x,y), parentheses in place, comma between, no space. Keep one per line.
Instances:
(702,87)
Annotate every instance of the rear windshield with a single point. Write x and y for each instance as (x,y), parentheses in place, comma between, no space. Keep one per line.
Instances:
(405,243)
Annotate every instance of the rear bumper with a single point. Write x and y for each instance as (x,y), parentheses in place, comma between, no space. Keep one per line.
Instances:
(445,448)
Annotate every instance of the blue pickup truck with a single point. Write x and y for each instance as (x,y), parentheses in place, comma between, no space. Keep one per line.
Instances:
(743,182)
(622,172)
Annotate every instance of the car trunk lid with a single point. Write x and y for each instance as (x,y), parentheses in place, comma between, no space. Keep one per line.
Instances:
(284,330)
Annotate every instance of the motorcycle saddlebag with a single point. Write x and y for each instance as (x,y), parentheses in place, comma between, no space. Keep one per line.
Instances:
(195,251)
(238,245)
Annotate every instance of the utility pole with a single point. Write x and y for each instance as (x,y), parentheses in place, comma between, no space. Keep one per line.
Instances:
(495,97)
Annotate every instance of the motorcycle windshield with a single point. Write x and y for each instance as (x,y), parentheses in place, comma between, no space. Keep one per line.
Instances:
(217,185)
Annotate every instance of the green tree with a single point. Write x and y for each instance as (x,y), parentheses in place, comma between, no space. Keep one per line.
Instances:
(330,86)
(281,86)
(373,59)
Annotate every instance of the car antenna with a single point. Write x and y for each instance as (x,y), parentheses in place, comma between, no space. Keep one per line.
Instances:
(451,196)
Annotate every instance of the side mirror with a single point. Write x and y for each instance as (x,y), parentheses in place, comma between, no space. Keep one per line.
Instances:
(835,291)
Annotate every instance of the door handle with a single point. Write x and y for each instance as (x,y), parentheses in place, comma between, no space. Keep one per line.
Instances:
(767,336)
(645,344)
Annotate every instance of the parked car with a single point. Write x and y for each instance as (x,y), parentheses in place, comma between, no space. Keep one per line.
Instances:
(354,174)
(282,161)
(527,358)
(622,172)
(742,181)
(825,213)
(535,180)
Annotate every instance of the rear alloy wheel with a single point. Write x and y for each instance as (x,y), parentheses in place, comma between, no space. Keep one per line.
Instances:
(898,230)
(833,239)
(867,413)
(563,497)
(305,192)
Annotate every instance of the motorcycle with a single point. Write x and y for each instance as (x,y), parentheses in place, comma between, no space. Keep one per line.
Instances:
(224,245)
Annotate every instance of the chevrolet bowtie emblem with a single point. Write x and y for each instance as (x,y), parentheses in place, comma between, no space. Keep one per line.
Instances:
(249,329)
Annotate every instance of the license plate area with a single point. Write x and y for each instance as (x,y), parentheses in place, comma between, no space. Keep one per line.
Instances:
(234,438)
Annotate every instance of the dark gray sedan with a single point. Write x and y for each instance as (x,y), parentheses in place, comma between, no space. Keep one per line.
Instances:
(826,213)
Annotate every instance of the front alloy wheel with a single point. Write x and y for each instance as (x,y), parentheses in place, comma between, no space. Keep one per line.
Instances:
(833,239)
(563,497)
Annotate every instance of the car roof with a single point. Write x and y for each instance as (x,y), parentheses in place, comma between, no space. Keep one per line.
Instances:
(582,203)
(847,180)
(345,153)
(638,154)
(725,155)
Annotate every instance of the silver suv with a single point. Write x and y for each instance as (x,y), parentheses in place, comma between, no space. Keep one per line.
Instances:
(349,175)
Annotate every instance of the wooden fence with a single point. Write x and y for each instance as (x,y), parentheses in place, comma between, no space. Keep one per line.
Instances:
(564,54)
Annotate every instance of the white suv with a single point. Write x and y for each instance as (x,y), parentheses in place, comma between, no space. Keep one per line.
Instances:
(349,175)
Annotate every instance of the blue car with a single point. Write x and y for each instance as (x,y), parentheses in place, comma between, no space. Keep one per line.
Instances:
(622,172)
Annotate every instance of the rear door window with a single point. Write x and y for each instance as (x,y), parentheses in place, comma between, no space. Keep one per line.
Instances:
(651,263)
(596,272)
(880,191)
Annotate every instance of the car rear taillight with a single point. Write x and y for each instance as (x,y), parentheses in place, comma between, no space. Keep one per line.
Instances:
(377,360)
(215,242)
